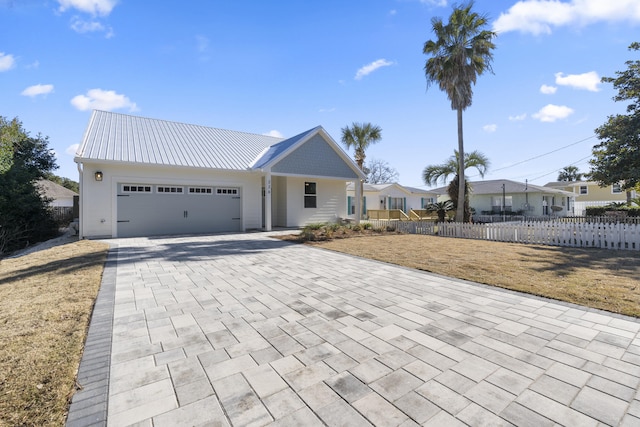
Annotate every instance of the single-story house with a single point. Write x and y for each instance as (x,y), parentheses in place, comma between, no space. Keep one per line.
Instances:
(590,193)
(58,195)
(145,177)
(498,195)
(392,196)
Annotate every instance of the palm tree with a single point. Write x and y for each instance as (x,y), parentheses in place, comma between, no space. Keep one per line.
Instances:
(432,174)
(569,173)
(460,53)
(441,208)
(360,136)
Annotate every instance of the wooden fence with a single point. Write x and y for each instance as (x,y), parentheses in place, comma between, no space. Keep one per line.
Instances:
(554,233)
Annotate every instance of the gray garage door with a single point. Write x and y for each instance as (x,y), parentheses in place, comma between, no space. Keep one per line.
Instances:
(152,210)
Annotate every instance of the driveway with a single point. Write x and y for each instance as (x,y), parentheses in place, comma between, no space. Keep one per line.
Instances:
(245,329)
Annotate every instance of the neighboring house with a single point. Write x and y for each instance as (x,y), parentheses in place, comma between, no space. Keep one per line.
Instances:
(391,196)
(589,193)
(144,177)
(56,193)
(494,196)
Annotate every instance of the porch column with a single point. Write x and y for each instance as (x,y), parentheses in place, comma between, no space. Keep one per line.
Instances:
(356,184)
(267,201)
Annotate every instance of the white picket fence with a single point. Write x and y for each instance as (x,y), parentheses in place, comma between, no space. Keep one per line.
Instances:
(579,235)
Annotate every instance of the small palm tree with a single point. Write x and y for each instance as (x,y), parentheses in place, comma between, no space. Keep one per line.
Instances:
(460,53)
(360,136)
(434,173)
(441,208)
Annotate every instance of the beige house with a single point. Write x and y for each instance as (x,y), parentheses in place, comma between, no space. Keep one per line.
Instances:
(589,193)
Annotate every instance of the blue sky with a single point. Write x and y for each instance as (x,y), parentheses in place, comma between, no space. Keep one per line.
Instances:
(283,67)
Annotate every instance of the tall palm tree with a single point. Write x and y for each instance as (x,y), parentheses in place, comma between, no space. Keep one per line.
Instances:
(360,136)
(461,51)
(434,173)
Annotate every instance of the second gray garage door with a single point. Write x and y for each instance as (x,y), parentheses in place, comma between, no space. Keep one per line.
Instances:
(152,210)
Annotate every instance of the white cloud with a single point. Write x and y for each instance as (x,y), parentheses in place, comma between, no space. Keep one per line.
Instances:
(540,16)
(98,99)
(81,26)
(327,110)
(490,128)
(548,90)
(94,7)
(36,90)
(588,81)
(550,113)
(518,118)
(440,3)
(7,62)
(72,149)
(393,12)
(370,68)
(274,133)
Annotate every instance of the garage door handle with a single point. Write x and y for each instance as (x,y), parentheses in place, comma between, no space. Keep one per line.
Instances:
(186,214)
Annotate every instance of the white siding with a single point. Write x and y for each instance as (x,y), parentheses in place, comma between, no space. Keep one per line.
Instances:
(331,201)
(98,198)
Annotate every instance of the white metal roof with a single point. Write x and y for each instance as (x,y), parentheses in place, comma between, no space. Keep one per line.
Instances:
(114,137)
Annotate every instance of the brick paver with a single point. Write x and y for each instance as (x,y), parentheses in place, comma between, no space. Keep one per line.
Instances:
(248,330)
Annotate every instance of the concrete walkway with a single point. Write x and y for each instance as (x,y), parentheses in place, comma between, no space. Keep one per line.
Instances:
(248,330)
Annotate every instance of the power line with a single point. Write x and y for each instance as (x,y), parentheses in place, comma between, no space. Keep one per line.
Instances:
(545,154)
(558,170)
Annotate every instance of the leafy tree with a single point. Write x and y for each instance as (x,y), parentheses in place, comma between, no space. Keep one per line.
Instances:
(380,172)
(24,214)
(432,174)
(360,136)
(461,51)
(569,173)
(617,157)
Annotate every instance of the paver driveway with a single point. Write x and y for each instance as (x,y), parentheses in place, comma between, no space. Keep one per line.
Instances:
(248,330)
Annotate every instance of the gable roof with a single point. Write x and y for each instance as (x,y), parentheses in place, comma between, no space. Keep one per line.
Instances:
(120,138)
(373,188)
(114,137)
(51,190)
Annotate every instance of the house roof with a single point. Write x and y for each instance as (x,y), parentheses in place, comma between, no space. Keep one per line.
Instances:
(274,151)
(494,186)
(119,138)
(374,188)
(51,190)
(114,137)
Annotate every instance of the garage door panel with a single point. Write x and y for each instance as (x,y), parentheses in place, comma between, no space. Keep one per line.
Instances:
(164,214)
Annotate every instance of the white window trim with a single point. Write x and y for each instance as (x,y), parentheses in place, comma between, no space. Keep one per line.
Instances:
(580,187)
(148,188)
(176,187)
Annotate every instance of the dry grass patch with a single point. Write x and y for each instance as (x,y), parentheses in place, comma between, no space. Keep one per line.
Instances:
(46,298)
(597,278)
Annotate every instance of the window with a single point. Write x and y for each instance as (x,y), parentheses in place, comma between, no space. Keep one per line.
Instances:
(200,190)
(396,203)
(616,189)
(169,190)
(584,189)
(496,203)
(223,191)
(135,188)
(310,195)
